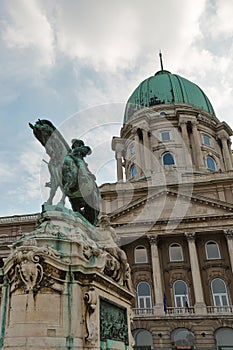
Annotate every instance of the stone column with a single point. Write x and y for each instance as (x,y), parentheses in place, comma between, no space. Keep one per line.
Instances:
(156,271)
(229,237)
(118,146)
(118,156)
(185,137)
(147,154)
(138,162)
(200,307)
(197,146)
(226,153)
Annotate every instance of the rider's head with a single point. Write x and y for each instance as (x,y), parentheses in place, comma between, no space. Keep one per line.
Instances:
(76,143)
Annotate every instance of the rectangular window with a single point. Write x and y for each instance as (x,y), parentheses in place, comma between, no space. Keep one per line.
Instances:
(165,136)
(206,140)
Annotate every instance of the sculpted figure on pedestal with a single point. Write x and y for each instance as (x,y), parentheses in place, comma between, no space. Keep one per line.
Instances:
(69,171)
(117,264)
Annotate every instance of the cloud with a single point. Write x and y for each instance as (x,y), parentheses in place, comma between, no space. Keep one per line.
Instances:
(28,27)
(6,172)
(123,31)
(220,21)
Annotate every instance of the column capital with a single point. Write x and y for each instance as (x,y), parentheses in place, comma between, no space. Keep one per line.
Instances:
(190,236)
(195,122)
(228,233)
(117,144)
(144,126)
(182,122)
(222,134)
(153,239)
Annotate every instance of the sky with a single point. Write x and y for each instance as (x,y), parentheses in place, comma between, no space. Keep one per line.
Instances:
(76,62)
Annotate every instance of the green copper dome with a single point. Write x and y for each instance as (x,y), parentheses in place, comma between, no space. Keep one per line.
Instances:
(166,88)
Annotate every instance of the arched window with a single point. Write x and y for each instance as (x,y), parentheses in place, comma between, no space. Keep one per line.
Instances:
(133,171)
(168,159)
(212,250)
(219,292)
(144,295)
(140,254)
(210,163)
(183,337)
(224,338)
(143,339)
(175,252)
(180,291)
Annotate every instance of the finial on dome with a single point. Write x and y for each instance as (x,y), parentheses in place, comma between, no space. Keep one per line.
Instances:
(161,59)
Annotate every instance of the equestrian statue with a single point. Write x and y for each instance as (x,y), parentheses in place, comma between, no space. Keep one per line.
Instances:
(69,171)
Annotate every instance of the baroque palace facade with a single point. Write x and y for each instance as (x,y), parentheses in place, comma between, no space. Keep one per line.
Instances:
(172,209)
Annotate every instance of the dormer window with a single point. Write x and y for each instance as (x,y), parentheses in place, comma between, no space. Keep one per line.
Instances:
(206,140)
(165,136)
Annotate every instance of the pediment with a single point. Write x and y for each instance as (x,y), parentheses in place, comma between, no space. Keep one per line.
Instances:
(171,205)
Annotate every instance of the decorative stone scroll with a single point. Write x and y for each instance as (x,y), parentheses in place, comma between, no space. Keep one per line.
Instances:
(90,298)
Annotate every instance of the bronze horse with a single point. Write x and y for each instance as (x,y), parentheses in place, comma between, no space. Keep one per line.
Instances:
(69,171)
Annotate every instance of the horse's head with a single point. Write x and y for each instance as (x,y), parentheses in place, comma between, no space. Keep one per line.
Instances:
(42,129)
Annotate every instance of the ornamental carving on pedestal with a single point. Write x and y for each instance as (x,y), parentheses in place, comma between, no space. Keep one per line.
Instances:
(30,273)
(90,299)
(28,269)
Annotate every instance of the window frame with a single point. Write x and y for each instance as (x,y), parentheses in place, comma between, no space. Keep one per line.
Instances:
(218,249)
(182,254)
(183,298)
(131,171)
(206,137)
(214,162)
(131,149)
(219,295)
(135,255)
(166,153)
(144,298)
(165,132)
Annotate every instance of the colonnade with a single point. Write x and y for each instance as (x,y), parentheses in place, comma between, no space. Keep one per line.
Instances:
(142,152)
(192,145)
(196,143)
(200,306)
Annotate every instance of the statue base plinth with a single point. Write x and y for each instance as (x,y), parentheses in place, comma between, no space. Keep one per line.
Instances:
(62,289)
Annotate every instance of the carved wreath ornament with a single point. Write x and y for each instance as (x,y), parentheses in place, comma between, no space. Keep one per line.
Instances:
(28,269)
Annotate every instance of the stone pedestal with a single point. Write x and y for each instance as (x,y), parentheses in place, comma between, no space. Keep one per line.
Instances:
(63,290)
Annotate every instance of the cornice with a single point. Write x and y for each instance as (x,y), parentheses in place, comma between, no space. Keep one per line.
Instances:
(195,198)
